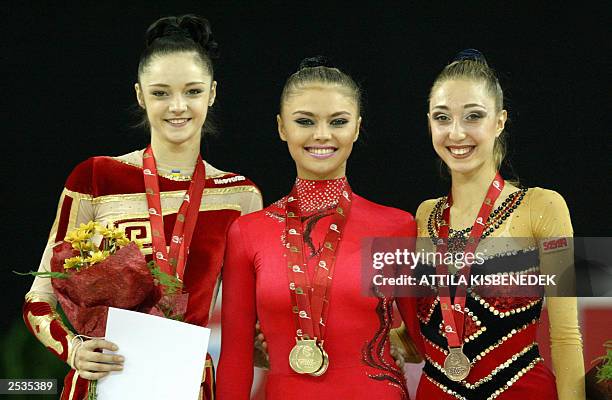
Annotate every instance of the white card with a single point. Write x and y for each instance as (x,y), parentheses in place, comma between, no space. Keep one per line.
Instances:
(164,359)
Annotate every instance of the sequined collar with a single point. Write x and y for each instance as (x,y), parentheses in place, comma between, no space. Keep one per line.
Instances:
(317,195)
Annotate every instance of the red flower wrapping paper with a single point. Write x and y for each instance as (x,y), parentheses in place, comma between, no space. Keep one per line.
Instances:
(123,280)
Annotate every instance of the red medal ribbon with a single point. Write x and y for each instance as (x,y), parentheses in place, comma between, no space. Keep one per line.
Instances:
(453,314)
(310,302)
(172,262)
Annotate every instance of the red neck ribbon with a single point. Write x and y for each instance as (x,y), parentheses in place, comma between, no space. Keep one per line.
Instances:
(453,314)
(310,301)
(172,262)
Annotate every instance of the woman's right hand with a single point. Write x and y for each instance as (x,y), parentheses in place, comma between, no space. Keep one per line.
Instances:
(92,364)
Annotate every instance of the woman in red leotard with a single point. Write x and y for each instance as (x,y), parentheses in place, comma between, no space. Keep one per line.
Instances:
(175,90)
(296,265)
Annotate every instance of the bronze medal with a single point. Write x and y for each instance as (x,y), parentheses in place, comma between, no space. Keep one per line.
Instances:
(457,365)
(306,357)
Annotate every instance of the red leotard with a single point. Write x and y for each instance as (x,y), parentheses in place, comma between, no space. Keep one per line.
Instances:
(255,286)
(110,190)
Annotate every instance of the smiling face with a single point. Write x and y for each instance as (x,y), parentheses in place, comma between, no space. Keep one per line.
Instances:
(320,123)
(176,90)
(464,125)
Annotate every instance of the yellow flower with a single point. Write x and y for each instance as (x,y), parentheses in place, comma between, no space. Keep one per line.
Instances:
(138,243)
(89,227)
(86,245)
(123,241)
(104,231)
(107,232)
(83,232)
(118,234)
(73,262)
(77,235)
(96,257)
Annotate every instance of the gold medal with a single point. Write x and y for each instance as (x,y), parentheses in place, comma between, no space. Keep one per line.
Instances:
(457,365)
(325,364)
(308,299)
(306,357)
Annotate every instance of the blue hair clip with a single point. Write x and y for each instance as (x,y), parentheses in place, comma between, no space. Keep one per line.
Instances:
(470,54)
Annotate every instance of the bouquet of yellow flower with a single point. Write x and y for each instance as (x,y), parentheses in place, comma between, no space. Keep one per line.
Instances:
(88,278)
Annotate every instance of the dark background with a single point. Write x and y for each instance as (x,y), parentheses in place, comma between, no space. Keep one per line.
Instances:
(68,95)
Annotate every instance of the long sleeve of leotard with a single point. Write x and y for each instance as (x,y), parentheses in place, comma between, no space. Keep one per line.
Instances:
(551,225)
(75,207)
(235,374)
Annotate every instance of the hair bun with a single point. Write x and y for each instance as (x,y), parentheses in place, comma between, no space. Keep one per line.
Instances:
(200,32)
(472,55)
(316,61)
(186,26)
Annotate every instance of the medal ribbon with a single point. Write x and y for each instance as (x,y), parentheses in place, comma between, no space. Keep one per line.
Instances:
(310,302)
(453,314)
(172,262)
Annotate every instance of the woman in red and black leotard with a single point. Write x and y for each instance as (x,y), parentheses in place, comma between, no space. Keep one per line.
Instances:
(513,228)
(265,278)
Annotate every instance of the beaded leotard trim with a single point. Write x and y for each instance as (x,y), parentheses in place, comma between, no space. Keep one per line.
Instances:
(492,324)
(458,238)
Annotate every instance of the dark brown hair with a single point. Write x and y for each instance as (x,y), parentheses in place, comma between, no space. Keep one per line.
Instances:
(470,64)
(183,34)
(315,70)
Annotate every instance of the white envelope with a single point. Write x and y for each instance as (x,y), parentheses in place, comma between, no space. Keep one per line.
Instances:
(164,359)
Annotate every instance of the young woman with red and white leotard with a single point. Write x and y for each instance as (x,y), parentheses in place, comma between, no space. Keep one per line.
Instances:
(175,88)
